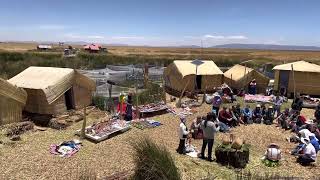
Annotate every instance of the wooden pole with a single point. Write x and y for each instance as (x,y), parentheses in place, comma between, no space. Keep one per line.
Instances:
(294,82)
(84,124)
(164,92)
(184,89)
(137,102)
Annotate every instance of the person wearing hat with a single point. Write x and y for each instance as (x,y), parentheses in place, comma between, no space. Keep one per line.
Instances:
(183,134)
(209,128)
(269,116)
(257,114)
(247,115)
(308,154)
(273,153)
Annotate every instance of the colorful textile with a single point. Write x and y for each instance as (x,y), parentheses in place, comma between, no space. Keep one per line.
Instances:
(65,149)
(257,98)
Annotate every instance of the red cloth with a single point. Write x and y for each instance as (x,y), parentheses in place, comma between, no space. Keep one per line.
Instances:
(124,106)
(303,119)
(224,115)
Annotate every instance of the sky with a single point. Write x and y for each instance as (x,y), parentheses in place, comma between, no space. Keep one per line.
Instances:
(162,22)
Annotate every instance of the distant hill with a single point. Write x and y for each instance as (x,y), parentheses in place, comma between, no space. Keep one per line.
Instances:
(268,47)
(188,46)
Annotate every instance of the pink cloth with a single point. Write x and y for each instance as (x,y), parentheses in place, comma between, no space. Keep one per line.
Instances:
(257,98)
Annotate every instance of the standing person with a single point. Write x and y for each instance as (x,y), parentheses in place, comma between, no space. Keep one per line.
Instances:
(252,87)
(209,128)
(308,155)
(128,112)
(257,114)
(277,101)
(247,115)
(183,134)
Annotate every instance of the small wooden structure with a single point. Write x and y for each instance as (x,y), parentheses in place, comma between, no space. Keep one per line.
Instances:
(239,77)
(54,90)
(12,101)
(202,78)
(304,78)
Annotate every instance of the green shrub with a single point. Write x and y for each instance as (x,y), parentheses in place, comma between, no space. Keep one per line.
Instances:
(153,93)
(99,102)
(153,162)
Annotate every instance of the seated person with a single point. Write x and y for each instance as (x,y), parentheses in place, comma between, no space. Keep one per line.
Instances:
(236,113)
(247,115)
(297,103)
(263,110)
(273,153)
(241,93)
(317,115)
(269,116)
(188,146)
(298,149)
(298,123)
(225,116)
(314,141)
(257,114)
(308,154)
(283,119)
(195,129)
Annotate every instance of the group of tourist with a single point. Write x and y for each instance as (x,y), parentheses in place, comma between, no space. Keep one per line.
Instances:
(222,119)
(307,133)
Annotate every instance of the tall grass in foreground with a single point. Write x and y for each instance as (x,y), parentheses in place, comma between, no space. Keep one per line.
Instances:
(153,162)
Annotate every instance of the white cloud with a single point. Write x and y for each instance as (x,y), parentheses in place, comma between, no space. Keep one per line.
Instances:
(51,27)
(208,36)
(83,37)
(95,37)
(237,37)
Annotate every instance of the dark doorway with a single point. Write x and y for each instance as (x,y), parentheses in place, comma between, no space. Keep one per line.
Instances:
(283,82)
(198,82)
(69,100)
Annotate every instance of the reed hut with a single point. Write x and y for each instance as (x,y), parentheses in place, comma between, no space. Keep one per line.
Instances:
(185,74)
(54,90)
(238,77)
(306,78)
(12,101)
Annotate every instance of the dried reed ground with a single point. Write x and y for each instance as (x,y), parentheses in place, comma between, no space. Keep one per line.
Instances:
(30,158)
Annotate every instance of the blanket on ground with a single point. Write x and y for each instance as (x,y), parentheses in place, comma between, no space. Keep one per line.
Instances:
(66,148)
